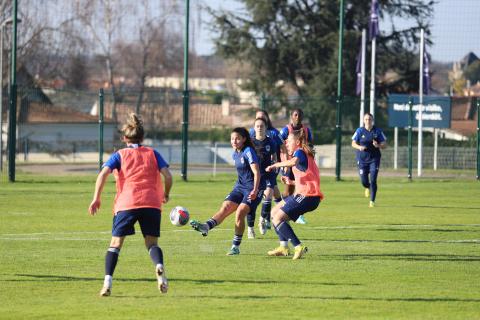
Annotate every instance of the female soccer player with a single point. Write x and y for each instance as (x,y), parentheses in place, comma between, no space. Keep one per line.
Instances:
(246,194)
(273,134)
(368,140)
(296,118)
(266,152)
(140,194)
(307,194)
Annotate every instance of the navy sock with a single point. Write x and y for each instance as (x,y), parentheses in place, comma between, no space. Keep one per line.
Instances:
(286,230)
(266,208)
(280,236)
(156,254)
(111,259)
(251,218)
(211,223)
(278,200)
(237,240)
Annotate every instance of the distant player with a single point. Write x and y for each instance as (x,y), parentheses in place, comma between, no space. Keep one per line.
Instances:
(246,194)
(296,118)
(307,194)
(266,151)
(368,140)
(140,194)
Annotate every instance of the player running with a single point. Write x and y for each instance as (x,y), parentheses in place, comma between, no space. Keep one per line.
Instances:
(140,194)
(368,140)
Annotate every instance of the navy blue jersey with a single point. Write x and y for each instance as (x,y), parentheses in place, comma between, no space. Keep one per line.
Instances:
(243,160)
(302,163)
(283,135)
(365,138)
(264,149)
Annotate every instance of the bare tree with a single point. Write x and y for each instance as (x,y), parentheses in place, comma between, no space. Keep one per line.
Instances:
(103,20)
(155,48)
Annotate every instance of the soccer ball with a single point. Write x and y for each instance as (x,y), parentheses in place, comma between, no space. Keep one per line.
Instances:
(179,216)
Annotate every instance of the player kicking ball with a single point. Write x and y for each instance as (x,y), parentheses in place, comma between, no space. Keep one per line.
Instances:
(306,198)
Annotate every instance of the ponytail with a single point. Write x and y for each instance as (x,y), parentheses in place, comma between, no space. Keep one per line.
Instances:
(133,129)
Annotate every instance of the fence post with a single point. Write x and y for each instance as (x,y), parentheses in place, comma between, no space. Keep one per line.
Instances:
(12,124)
(478,139)
(100,129)
(263,102)
(410,125)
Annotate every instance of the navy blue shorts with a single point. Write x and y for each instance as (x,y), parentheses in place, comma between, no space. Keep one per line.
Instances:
(298,204)
(148,218)
(241,196)
(271,179)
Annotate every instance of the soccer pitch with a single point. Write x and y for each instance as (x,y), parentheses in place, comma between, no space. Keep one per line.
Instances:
(414,256)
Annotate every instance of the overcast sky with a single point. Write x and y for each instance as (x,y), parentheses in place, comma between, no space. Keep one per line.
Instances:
(455,31)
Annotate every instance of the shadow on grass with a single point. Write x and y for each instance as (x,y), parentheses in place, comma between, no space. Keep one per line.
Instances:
(387,299)
(404,256)
(446,207)
(52,278)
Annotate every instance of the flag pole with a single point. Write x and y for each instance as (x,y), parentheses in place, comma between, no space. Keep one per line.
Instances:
(362,70)
(373,33)
(372,79)
(420,108)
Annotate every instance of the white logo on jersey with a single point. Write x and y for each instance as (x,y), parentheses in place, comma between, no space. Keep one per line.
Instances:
(267,147)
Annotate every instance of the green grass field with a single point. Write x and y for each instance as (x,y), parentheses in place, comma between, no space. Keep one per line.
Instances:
(414,256)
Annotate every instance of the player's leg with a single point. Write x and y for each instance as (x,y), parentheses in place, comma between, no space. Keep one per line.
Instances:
(363,172)
(282,249)
(240,214)
(228,207)
(149,221)
(374,167)
(264,221)
(122,226)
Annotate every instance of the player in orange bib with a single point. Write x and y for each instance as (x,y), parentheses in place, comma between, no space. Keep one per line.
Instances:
(141,192)
(307,194)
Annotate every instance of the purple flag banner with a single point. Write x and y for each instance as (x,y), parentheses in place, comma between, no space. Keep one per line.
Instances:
(373,28)
(358,70)
(426,71)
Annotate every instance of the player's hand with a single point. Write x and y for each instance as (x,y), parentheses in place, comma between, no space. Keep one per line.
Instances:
(362,148)
(269,168)
(252,195)
(376,144)
(284,179)
(166,198)
(94,206)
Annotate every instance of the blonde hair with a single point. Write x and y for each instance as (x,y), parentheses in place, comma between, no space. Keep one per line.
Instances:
(304,144)
(133,129)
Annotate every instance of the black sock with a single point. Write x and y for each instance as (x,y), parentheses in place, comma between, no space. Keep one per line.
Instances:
(211,223)
(156,254)
(111,259)
(266,208)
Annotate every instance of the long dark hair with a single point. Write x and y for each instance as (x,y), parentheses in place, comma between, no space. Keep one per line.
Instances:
(267,118)
(244,134)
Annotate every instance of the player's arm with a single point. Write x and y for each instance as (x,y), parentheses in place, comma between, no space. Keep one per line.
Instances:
(168,183)
(381,141)
(256,180)
(355,145)
(286,163)
(99,184)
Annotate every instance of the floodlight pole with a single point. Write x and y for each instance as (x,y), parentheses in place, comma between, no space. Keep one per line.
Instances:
(186,95)
(410,125)
(338,126)
(12,121)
